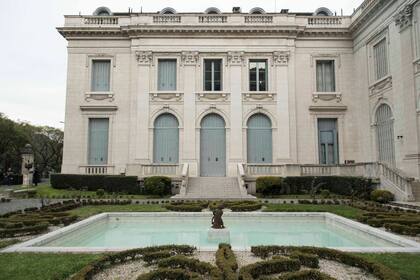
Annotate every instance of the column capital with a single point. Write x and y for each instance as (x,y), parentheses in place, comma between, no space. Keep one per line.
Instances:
(281,58)
(404,17)
(235,58)
(189,58)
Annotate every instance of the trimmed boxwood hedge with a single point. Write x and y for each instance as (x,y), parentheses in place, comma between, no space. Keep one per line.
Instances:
(117,184)
(378,270)
(273,266)
(226,261)
(305,275)
(340,185)
(381,196)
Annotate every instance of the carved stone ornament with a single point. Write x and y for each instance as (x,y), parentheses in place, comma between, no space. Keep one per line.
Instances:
(326,96)
(235,58)
(144,57)
(166,96)
(381,86)
(417,67)
(189,58)
(99,96)
(281,58)
(403,19)
(212,96)
(259,96)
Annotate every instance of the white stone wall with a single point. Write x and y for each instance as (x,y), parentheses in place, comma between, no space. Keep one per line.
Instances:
(290,102)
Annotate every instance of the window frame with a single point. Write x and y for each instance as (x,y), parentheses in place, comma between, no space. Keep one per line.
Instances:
(89,71)
(383,35)
(213,60)
(258,60)
(177,78)
(320,60)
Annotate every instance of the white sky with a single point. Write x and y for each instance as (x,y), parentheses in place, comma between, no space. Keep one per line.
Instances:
(33,54)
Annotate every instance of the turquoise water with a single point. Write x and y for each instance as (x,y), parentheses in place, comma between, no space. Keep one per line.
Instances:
(142,231)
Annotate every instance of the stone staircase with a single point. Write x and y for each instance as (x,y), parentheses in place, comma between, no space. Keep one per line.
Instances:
(213,188)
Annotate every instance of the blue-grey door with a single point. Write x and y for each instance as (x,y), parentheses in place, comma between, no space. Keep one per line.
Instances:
(98,141)
(328,141)
(213,146)
(259,139)
(166,139)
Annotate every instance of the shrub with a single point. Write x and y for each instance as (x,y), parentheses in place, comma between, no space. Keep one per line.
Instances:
(309,260)
(381,196)
(226,261)
(270,185)
(193,265)
(122,184)
(186,206)
(78,182)
(157,185)
(168,274)
(13,232)
(100,192)
(325,193)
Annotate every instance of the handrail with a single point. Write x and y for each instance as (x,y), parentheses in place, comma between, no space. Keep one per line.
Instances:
(184,176)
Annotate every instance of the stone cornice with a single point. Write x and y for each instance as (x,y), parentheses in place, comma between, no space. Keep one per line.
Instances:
(368,14)
(179,30)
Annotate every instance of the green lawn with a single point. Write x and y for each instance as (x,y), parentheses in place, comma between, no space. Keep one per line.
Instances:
(408,265)
(32,266)
(342,210)
(47,191)
(90,210)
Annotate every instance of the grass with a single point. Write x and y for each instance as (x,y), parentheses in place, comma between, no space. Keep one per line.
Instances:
(6,243)
(342,210)
(34,266)
(45,190)
(86,211)
(408,265)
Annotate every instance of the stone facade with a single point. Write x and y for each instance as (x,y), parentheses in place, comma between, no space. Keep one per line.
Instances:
(290,43)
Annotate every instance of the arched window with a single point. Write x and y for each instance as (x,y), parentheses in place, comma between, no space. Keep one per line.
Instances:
(385,134)
(166,139)
(259,139)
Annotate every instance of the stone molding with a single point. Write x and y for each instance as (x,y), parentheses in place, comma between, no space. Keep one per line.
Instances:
(404,18)
(99,96)
(417,66)
(144,57)
(235,58)
(281,58)
(165,96)
(189,58)
(213,96)
(258,96)
(381,86)
(326,96)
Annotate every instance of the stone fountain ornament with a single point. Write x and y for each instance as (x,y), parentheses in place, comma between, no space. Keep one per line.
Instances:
(218,232)
(27,164)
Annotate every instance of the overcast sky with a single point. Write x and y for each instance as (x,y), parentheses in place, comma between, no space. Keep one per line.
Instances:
(34,56)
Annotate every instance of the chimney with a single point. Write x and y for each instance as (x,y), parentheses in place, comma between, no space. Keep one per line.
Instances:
(236,10)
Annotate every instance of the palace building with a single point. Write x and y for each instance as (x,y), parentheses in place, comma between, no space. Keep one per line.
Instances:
(224,97)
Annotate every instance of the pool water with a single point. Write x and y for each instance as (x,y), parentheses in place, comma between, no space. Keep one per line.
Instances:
(124,231)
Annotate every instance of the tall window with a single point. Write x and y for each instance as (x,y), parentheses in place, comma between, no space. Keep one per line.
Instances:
(166,139)
(98,141)
(380,59)
(325,76)
(167,74)
(212,74)
(101,73)
(258,75)
(328,141)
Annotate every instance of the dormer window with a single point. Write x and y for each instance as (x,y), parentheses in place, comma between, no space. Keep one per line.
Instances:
(168,11)
(323,12)
(257,11)
(102,11)
(212,11)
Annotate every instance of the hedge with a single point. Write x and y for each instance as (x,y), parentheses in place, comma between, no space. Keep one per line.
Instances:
(273,266)
(226,262)
(236,206)
(121,184)
(20,231)
(309,260)
(339,185)
(186,206)
(157,185)
(305,275)
(378,270)
(193,265)
(169,274)
(96,266)
(15,179)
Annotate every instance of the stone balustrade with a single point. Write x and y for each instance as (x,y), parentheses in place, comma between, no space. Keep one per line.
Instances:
(96,169)
(325,21)
(171,170)
(98,20)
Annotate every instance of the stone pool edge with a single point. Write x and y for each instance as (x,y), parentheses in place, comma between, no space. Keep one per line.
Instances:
(410,246)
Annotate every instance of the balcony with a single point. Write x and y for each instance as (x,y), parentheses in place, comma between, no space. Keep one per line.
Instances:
(96,169)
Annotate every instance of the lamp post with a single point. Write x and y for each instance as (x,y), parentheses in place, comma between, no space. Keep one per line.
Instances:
(27,165)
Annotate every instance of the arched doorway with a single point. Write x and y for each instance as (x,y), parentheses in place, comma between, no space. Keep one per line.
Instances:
(166,139)
(213,146)
(385,134)
(259,139)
